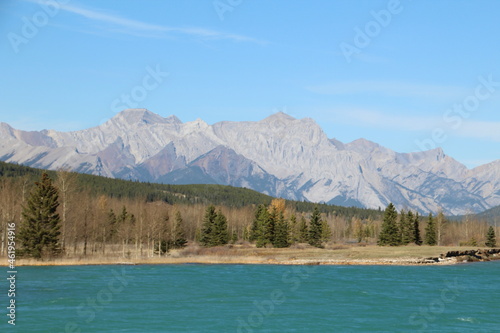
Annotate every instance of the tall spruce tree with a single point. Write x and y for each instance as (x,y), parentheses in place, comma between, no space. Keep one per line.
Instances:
(326,232)
(303,230)
(417,239)
(294,229)
(430,231)
(208,227)
(491,238)
(390,234)
(39,232)
(221,232)
(178,235)
(214,230)
(281,231)
(258,232)
(406,225)
(270,225)
(410,221)
(315,228)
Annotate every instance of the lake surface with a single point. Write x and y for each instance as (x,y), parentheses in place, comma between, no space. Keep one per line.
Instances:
(256,298)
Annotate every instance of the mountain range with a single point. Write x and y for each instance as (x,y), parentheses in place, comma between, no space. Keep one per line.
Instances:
(279,155)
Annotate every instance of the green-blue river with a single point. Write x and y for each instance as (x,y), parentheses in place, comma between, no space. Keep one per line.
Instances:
(255,298)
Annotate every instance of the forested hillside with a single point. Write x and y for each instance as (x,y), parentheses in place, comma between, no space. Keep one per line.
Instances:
(96,216)
(177,194)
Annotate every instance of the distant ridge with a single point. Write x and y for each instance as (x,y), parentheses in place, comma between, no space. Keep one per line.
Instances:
(280,156)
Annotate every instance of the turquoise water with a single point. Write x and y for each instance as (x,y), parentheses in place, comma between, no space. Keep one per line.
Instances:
(261,298)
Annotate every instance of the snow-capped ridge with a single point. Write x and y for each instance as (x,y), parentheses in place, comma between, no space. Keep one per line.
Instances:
(279,155)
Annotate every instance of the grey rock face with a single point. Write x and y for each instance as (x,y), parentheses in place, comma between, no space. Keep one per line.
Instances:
(279,155)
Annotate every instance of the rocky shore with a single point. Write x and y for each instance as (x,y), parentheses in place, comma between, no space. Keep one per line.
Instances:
(466,256)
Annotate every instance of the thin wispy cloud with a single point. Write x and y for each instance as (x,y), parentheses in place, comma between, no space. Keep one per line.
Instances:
(117,24)
(388,88)
(483,130)
(383,120)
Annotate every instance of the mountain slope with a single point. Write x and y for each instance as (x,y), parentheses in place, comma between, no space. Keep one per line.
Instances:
(491,215)
(177,194)
(279,156)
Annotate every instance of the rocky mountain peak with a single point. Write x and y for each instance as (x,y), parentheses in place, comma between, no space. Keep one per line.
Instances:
(278,116)
(173,120)
(139,116)
(363,146)
(279,155)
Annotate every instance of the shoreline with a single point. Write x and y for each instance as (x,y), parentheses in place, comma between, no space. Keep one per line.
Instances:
(233,261)
(248,255)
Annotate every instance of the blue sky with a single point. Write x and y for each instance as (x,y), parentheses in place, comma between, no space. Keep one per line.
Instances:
(409,75)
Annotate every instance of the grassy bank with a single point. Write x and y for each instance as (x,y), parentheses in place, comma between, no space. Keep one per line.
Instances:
(300,255)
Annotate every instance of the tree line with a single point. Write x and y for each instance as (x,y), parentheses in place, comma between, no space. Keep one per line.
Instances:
(404,228)
(53,218)
(204,194)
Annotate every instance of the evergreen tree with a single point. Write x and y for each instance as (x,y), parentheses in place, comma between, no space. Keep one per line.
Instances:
(294,229)
(326,232)
(315,228)
(220,232)
(208,227)
(390,234)
(416,230)
(303,231)
(270,225)
(411,223)
(490,237)
(214,230)
(256,227)
(178,235)
(406,227)
(259,225)
(430,231)
(39,232)
(281,232)
(122,218)
(163,241)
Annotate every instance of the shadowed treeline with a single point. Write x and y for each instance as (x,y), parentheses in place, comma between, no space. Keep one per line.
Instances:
(108,217)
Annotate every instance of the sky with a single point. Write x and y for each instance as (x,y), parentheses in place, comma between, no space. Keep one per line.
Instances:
(409,75)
